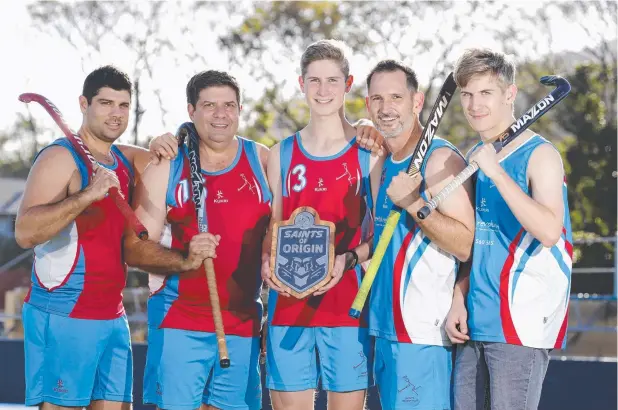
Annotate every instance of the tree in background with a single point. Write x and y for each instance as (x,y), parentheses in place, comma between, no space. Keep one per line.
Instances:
(16,161)
(274,34)
(157,36)
(267,39)
(589,114)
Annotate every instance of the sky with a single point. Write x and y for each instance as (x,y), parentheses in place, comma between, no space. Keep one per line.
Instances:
(35,61)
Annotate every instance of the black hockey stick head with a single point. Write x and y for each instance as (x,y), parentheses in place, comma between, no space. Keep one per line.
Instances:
(555,80)
(563,87)
(185,132)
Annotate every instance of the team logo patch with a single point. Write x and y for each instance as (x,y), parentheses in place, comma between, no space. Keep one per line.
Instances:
(302,252)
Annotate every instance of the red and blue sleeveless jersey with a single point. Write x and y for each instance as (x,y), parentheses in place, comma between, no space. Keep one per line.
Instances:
(81,272)
(338,188)
(237,208)
(519,289)
(413,289)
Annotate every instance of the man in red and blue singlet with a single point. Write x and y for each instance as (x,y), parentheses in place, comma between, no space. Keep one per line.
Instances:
(321,166)
(77,342)
(182,366)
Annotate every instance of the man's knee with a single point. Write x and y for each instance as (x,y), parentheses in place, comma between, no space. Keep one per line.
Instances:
(354,400)
(108,405)
(50,406)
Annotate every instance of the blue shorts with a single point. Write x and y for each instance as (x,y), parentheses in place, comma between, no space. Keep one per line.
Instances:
(413,376)
(298,357)
(183,371)
(70,362)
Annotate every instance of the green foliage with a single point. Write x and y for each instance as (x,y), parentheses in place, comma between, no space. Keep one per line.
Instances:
(263,38)
(589,114)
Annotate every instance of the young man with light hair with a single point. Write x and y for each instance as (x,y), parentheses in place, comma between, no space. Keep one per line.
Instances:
(512,309)
(313,340)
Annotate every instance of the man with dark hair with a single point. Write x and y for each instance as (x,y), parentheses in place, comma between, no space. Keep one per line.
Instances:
(182,370)
(413,288)
(77,342)
(209,79)
(391,66)
(106,76)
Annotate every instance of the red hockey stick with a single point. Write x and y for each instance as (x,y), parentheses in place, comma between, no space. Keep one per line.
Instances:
(88,158)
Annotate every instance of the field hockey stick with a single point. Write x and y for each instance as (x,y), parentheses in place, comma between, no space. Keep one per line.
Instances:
(185,132)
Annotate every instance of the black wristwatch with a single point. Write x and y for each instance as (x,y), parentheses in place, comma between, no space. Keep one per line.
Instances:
(354,260)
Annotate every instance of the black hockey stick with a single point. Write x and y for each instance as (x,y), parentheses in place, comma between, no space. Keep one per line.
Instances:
(187,131)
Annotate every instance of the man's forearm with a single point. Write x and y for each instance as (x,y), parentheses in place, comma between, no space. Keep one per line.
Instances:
(153,257)
(536,219)
(41,223)
(364,250)
(447,233)
(462,285)
(268,238)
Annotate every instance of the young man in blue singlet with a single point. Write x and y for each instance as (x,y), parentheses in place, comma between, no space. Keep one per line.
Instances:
(513,307)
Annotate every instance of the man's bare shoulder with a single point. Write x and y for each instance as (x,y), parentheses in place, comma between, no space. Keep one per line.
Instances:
(274,150)
(134,153)
(445,158)
(545,155)
(158,170)
(56,158)
(263,152)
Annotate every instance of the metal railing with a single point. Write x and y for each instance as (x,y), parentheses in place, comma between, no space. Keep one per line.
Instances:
(605,303)
(583,321)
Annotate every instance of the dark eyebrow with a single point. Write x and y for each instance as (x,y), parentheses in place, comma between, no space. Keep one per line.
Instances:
(214,102)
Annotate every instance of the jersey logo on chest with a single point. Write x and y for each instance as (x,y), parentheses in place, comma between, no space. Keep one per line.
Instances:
(300,181)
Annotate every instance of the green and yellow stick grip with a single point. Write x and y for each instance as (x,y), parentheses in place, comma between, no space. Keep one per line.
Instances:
(378,255)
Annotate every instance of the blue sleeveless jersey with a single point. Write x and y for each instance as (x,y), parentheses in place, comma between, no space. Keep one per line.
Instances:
(413,289)
(519,290)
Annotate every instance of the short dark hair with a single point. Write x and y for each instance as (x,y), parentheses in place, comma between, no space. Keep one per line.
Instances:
(390,66)
(106,76)
(210,78)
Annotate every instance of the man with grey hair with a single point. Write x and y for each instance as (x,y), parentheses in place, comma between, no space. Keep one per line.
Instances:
(413,289)
(512,309)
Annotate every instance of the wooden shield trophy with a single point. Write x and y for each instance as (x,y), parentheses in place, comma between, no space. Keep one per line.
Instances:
(303,252)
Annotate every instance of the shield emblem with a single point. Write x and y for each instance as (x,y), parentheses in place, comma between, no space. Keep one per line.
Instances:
(303,252)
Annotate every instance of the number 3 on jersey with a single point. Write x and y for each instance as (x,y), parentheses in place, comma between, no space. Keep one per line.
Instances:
(299,170)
